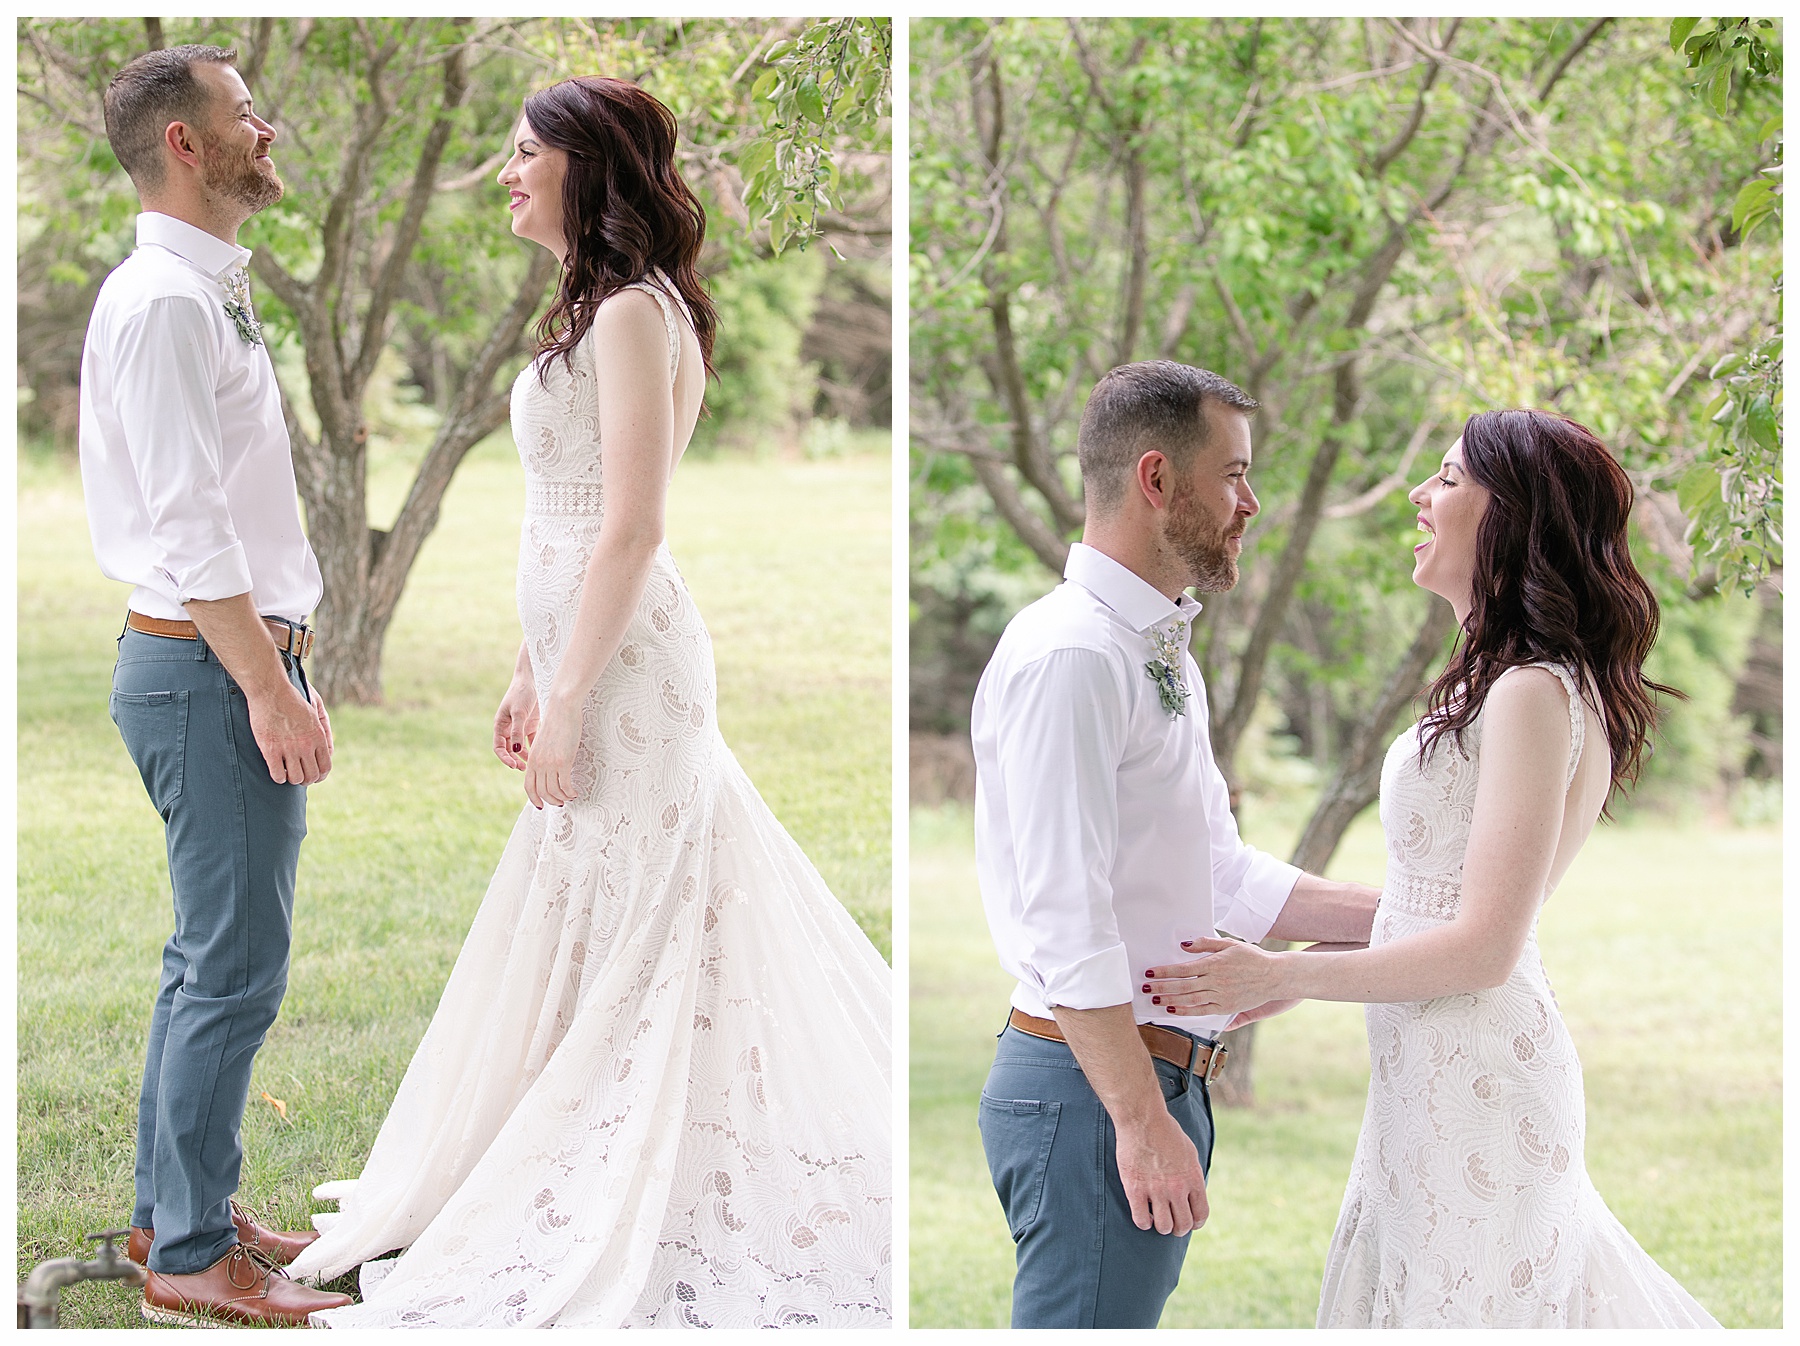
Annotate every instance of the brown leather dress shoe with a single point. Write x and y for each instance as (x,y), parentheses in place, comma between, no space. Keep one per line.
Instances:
(278,1246)
(237,1290)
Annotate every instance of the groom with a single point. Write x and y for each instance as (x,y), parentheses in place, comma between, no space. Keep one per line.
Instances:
(1104,838)
(189,485)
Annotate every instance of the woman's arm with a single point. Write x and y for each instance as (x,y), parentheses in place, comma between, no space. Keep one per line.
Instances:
(1519,803)
(637,432)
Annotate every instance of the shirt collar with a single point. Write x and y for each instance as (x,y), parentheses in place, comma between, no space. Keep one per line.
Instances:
(212,255)
(1140,604)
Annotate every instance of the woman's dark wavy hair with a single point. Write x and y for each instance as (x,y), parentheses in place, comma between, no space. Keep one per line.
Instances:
(1554,581)
(626,212)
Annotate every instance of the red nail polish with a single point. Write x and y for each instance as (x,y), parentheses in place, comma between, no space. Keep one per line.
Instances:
(1146,988)
(1156,1000)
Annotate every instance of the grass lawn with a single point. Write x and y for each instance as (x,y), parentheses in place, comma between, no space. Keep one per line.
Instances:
(1664,944)
(790,565)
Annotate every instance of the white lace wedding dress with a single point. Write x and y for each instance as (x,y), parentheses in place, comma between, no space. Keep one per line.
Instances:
(1469,1203)
(656,1091)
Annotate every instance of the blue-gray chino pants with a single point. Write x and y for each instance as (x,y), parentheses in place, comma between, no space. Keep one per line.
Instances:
(1050,1149)
(234,843)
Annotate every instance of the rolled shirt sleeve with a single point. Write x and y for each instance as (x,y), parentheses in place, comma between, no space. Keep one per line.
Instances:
(165,374)
(1059,738)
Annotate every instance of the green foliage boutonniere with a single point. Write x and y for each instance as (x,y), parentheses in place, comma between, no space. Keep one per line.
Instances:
(237,307)
(1165,669)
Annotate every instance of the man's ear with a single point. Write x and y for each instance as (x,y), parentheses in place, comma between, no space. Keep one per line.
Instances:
(1155,478)
(182,142)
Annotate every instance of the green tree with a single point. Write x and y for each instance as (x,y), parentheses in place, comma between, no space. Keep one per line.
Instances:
(1732,494)
(1376,227)
(389,238)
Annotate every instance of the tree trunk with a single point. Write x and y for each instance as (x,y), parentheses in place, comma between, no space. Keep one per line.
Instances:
(365,569)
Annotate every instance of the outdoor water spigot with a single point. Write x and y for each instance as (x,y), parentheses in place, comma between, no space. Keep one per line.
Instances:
(38,1296)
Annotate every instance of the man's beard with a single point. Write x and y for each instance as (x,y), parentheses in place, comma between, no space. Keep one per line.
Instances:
(1203,545)
(244,182)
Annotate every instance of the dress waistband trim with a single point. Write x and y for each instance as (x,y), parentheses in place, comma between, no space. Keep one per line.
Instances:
(1437,899)
(565,497)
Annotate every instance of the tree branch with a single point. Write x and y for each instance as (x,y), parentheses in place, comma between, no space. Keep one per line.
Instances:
(340,216)
(406,234)
(1576,47)
(476,414)
(1029,454)
(1032,530)
(1137,230)
(1397,146)
(252,66)
(1354,785)
(1175,322)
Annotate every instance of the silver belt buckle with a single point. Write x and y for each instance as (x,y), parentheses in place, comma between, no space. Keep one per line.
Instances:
(1215,1063)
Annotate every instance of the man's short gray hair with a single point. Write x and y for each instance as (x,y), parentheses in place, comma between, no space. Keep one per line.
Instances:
(1153,404)
(148,93)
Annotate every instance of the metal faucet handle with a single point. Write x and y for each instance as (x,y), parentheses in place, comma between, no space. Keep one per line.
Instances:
(111,1259)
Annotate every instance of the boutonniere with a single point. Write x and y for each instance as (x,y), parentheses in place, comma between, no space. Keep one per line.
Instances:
(237,307)
(1165,669)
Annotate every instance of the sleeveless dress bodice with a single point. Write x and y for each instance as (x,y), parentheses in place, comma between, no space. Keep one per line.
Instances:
(1469,1203)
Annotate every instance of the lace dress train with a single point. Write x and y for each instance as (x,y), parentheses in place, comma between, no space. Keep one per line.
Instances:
(656,1090)
(1469,1203)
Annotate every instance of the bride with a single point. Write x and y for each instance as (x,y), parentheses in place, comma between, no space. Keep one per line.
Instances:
(1469,1202)
(656,1090)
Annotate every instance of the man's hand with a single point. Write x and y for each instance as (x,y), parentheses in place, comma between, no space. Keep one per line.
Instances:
(1160,1170)
(295,736)
(294,733)
(1158,1165)
(318,704)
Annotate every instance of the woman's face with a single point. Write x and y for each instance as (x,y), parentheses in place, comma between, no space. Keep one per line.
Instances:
(534,179)
(1450,509)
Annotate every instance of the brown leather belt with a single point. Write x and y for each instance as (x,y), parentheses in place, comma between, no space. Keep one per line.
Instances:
(1165,1044)
(289,638)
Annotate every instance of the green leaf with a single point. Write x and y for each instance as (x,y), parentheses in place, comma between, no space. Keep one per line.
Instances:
(1772,127)
(1678,32)
(1750,196)
(1727,365)
(811,103)
(1718,89)
(1757,216)
(1699,486)
(1764,428)
(757,157)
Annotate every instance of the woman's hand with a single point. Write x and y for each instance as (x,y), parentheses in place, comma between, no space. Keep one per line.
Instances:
(1244,1018)
(550,764)
(1229,976)
(516,722)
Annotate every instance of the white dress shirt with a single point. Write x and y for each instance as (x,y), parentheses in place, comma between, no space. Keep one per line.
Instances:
(185,460)
(1103,832)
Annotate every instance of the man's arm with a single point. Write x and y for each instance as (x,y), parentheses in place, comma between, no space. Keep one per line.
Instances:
(1327,910)
(295,737)
(1158,1164)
